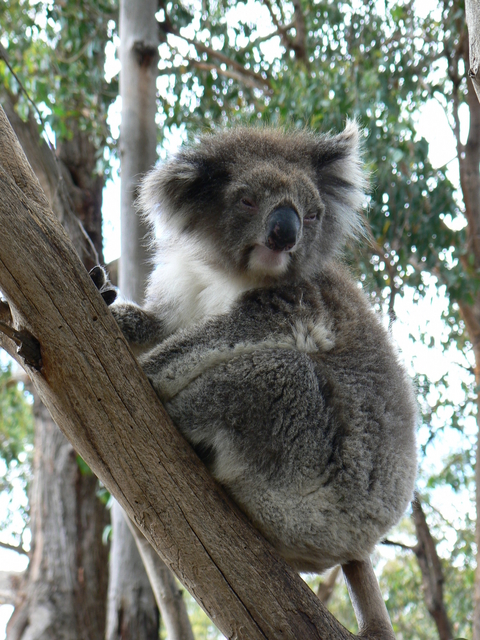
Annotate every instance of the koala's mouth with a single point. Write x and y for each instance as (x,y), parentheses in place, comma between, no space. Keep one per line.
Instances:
(266,261)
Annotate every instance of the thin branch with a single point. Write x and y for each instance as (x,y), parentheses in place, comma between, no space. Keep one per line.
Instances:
(300,44)
(326,587)
(278,32)
(275,20)
(227,73)
(432,572)
(394,543)
(213,53)
(16,548)
(4,57)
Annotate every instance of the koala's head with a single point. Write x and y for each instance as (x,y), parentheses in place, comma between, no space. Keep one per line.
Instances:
(261,202)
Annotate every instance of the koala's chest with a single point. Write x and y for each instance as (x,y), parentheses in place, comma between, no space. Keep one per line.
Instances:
(191,291)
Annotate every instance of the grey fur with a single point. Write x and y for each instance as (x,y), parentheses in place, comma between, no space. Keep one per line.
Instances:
(271,363)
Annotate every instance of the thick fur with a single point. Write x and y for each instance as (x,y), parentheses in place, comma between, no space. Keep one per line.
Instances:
(271,363)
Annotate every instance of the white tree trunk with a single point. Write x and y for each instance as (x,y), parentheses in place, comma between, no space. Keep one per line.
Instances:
(138,134)
(138,143)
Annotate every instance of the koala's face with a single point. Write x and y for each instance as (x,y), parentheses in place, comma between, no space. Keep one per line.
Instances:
(261,202)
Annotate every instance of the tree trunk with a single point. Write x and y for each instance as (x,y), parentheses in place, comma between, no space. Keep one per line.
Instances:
(469,161)
(63,593)
(86,374)
(131,613)
(167,594)
(132,610)
(138,134)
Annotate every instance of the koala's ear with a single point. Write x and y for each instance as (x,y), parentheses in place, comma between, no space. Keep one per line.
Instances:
(181,186)
(341,179)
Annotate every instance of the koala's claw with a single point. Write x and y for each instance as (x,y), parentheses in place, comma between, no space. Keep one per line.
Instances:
(103,284)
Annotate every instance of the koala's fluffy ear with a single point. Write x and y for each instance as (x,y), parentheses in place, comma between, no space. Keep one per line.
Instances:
(178,189)
(341,179)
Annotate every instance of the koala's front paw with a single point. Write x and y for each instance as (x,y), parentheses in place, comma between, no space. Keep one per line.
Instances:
(103,284)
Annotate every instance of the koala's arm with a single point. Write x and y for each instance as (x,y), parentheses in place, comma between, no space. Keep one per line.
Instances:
(139,326)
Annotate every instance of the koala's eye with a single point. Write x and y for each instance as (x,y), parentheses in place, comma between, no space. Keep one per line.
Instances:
(311,217)
(248,203)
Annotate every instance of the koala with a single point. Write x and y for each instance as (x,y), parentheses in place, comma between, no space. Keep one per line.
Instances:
(262,347)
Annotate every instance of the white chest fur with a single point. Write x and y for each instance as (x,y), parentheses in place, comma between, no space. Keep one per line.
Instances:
(186,288)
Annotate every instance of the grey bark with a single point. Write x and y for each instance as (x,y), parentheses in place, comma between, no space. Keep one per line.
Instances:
(432,572)
(167,594)
(89,379)
(138,134)
(472,8)
(131,611)
(10,582)
(63,593)
(326,587)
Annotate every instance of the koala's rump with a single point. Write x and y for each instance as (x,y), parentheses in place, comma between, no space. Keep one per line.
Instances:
(304,444)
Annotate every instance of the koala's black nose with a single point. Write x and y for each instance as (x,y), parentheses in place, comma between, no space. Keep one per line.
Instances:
(283,226)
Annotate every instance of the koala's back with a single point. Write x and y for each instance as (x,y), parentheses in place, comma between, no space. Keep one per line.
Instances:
(310,426)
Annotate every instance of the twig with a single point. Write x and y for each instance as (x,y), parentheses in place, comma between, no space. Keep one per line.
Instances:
(16,548)
(4,57)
